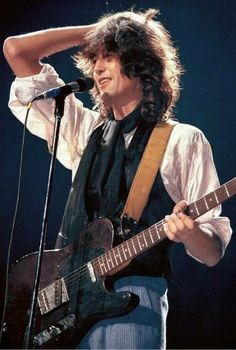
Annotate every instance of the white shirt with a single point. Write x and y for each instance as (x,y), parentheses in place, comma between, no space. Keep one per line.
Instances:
(188,171)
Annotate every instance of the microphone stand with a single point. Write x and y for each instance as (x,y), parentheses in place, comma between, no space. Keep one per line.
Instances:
(59,112)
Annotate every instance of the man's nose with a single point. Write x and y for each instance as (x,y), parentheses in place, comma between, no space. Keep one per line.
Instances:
(99,67)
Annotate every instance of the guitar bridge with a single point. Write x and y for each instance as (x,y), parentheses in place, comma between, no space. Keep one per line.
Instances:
(52,296)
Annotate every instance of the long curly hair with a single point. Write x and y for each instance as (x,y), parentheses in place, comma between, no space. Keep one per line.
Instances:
(145,50)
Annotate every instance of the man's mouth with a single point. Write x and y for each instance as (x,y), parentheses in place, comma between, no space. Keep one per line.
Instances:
(103,81)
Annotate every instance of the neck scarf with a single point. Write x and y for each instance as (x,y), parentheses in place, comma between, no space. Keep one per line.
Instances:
(107,186)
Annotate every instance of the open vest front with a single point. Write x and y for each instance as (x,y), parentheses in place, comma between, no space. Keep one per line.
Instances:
(155,205)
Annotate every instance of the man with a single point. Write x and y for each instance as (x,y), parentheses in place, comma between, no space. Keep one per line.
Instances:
(136,72)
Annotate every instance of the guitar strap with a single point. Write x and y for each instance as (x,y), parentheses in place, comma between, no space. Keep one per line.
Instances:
(147,171)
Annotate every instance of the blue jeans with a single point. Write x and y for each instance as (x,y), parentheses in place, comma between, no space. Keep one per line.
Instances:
(142,328)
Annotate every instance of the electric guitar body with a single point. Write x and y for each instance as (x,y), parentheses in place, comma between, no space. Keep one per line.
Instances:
(71,298)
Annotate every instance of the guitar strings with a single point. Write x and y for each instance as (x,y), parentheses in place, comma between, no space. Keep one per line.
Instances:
(78,274)
(81,272)
(96,261)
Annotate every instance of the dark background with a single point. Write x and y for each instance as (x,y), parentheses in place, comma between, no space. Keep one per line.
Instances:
(202,300)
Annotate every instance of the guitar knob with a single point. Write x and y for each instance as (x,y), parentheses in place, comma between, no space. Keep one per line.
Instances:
(53,330)
(4,327)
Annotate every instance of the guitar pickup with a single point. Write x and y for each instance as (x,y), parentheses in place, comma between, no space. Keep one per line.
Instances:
(52,296)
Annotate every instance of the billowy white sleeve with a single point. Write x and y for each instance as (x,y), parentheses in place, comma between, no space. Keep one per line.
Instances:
(77,123)
(189,173)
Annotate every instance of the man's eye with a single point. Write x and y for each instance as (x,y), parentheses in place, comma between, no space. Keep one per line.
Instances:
(93,59)
(108,58)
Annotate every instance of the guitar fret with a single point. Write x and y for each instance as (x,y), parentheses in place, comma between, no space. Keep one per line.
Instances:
(127,251)
(142,241)
(148,238)
(124,251)
(212,200)
(102,265)
(111,259)
(196,208)
(161,230)
(132,248)
(217,200)
(122,255)
(115,257)
(130,254)
(132,241)
(140,247)
(106,265)
(206,203)
(119,256)
(226,190)
(108,261)
(150,234)
(145,241)
(156,231)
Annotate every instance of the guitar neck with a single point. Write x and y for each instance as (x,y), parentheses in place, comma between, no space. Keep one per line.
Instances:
(146,239)
(211,200)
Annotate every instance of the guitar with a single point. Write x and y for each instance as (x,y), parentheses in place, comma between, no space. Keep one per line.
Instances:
(73,295)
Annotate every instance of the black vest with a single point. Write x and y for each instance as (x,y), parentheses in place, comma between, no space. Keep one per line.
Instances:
(155,261)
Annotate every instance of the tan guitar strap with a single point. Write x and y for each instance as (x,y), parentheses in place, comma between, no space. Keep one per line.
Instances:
(147,171)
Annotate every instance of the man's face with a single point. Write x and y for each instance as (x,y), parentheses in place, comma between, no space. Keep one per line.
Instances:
(112,83)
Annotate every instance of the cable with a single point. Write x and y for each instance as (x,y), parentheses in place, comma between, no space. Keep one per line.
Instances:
(13,223)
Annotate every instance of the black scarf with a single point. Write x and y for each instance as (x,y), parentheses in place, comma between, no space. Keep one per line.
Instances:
(107,189)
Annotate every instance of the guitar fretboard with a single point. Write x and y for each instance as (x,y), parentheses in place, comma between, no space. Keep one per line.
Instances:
(146,239)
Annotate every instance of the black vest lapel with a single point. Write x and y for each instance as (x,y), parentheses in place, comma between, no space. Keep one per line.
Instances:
(75,216)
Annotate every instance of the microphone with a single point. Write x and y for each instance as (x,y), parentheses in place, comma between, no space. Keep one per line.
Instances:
(80,85)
